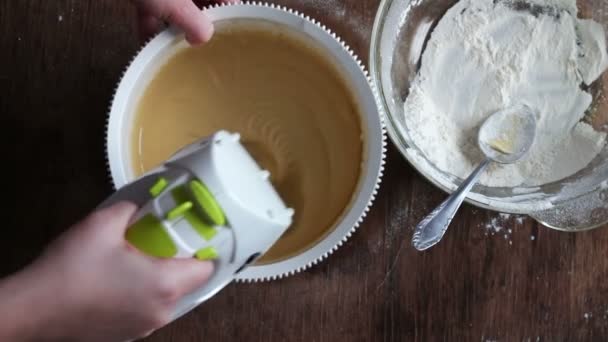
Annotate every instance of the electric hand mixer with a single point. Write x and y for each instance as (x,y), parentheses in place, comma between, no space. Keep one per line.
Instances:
(210,201)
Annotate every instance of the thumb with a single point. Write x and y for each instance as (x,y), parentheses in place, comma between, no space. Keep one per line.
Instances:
(187,274)
(112,220)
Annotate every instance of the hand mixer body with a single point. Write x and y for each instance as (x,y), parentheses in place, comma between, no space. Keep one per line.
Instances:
(210,201)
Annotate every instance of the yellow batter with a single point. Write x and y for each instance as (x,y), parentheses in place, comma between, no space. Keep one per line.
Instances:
(294,111)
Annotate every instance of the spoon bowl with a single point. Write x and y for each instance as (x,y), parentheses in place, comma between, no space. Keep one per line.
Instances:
(506,136)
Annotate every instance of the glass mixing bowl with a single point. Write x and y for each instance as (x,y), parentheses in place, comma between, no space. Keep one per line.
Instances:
(575,203)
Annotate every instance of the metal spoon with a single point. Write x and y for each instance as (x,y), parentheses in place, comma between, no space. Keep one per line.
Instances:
(505,137)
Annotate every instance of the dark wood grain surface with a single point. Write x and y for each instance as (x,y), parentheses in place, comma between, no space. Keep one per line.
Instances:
(59,64)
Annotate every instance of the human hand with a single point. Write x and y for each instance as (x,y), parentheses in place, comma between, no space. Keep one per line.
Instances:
(91,285)
(182,13)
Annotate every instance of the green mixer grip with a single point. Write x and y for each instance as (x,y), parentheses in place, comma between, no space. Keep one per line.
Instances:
(149,236)
(208,253)
(206,200)
(204,229)
(158,187)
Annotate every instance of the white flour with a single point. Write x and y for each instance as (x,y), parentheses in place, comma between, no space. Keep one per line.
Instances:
(483,57)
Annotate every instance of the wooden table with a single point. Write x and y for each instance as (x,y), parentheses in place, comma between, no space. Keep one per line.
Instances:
(59,65)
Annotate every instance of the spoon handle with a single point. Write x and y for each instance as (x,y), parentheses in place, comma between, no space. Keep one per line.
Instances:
(430,230)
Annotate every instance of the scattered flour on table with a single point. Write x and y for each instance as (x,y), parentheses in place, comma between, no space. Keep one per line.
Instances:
(338,9)
(330,6)
(498,225)
(484,56)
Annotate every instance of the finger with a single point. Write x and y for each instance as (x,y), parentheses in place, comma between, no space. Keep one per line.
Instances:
(187,274)
(149,25)
(184,14)
(111,221)
(196,24)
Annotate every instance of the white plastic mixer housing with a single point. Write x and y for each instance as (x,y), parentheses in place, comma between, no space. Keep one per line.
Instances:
(210,201)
